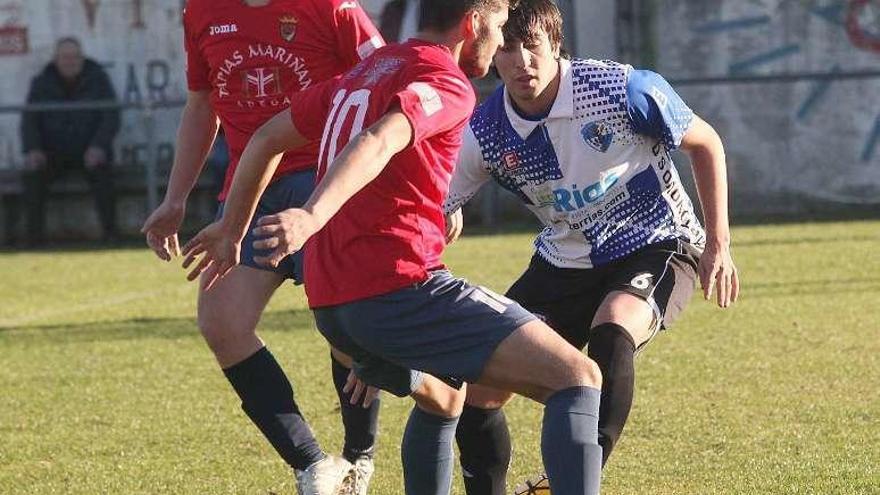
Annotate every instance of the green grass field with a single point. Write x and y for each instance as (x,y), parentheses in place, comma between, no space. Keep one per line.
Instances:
(107,387)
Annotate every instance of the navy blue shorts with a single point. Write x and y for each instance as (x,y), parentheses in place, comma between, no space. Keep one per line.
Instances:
(443,326)
(288,191)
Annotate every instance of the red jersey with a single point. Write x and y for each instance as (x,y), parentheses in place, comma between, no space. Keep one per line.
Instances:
(391,233)
(252,59)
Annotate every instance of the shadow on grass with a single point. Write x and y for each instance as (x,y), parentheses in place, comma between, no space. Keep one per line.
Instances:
(832,215)
(518,225)
(815,283)
(79,246)
(806,240)
(818,287)
(533,229)
(145,328)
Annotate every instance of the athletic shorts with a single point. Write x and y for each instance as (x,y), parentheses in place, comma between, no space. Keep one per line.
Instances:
(288,191)
(443,326)
(663,274)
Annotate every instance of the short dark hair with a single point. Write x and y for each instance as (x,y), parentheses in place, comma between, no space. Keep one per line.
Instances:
(441,15)
(531,16)
(68,39)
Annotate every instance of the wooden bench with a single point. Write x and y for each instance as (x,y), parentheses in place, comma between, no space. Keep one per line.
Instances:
(126,180)
(130,187)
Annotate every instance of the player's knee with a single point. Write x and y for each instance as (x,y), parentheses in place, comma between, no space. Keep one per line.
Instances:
(628,311)
(219,341)
(487,398)
(489,402)
(444,409)
(212,327)
(640,335)
(439,399)
(577,370)
(593,375)
(228,339)
(584,372)
(444,406)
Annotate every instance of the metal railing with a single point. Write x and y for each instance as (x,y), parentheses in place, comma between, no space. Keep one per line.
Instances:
(148,109)
(793,77)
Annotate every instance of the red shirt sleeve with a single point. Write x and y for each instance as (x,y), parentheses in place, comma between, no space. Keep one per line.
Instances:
(436,100)
(309,108)
(356,36)
(198,73)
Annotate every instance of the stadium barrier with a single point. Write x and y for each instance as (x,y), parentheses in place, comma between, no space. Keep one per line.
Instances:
(142,159)
(148,113)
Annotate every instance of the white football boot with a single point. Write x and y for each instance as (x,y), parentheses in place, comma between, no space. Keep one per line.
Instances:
(361,474)
(325,477)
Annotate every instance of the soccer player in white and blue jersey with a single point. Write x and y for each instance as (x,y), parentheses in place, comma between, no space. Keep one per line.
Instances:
(586,146)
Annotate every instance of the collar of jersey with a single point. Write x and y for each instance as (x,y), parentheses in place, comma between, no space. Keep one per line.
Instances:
(563,105)
(414,41)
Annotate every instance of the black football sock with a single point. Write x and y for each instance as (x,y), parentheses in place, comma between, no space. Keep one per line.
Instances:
(267,398)
(360,424)
(612,348)
(484,442)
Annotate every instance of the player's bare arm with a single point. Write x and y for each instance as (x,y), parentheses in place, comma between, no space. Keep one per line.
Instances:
(717,271)
(198,128)
(221,241)
(361,161)
(454,226)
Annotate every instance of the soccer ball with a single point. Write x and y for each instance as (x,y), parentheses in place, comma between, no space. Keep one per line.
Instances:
(539,485)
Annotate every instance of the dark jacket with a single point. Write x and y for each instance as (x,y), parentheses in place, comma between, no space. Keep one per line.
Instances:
(69,133)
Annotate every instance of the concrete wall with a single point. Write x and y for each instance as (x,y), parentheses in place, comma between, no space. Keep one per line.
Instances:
(591,26)
(794,143)
(787,142)
(139,42)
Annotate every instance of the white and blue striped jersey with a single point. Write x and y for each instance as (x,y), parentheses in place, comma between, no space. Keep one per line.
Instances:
(596,170)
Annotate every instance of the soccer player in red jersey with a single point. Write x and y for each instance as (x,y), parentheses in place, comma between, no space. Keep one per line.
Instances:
(244,61)
(375,232)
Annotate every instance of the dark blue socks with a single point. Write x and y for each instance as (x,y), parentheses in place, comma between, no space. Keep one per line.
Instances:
(427,453)
(569,442)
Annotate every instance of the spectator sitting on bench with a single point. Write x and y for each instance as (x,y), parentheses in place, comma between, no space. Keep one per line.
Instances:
(57,141)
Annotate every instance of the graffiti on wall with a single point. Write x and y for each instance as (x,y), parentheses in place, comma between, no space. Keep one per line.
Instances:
(860,19)
(820,135)
(863,24)
(13,32)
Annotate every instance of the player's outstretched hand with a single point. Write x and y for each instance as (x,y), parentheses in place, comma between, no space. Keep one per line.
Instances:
(284,233)
(161,230)
(220,253)
(357,389)
(718,273)
(454,226)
